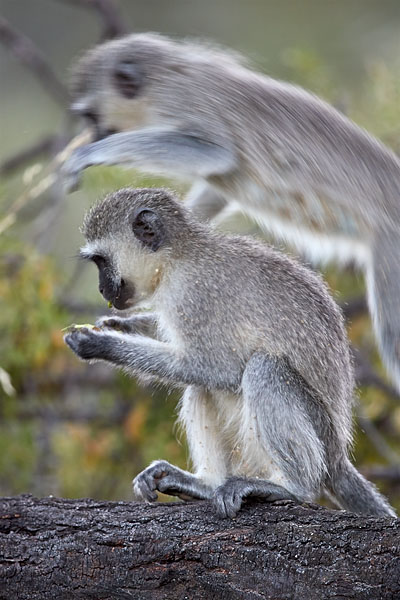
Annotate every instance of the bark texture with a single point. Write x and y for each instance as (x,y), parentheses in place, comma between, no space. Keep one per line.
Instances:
(66,549)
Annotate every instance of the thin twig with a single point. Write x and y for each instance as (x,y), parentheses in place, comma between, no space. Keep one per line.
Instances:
(31,192)
(365,375)
(29,55)
(384,473)
(354,307)
(45,145)
(381,446)
(113,23)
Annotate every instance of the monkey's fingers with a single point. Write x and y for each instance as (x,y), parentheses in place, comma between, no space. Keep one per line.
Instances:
(83,342)
(112,323)
(71,171)
(70,182)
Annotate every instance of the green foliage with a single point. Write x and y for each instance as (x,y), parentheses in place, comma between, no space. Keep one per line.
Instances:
(30,319)
(96,457)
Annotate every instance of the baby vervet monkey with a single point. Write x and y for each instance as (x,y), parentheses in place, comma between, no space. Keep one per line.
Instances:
(305,172)
(254,339)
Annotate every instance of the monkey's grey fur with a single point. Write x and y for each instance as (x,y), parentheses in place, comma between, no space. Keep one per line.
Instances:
(305,172)
(253,337)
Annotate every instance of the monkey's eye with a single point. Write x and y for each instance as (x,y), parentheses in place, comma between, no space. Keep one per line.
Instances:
(127,78)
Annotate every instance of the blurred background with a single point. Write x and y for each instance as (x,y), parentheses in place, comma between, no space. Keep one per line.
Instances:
(74,430)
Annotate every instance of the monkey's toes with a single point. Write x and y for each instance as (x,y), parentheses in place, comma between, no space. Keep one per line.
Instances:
(144,487)
(226,502)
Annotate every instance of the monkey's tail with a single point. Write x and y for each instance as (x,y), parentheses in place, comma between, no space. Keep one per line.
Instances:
(383,284)
(355,494)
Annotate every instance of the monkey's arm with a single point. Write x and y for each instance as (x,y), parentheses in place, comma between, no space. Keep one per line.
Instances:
(146,356)
(383,277)
(183,154)
(204,201)
(143,324)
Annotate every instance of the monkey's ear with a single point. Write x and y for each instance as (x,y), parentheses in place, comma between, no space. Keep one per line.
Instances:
(127,78)
(149,229)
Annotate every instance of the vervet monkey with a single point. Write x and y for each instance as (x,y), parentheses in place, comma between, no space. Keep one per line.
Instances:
(254,339)
(305,172)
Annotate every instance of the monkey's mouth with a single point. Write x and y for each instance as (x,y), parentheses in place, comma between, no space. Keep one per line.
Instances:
(121,298)
(100,134)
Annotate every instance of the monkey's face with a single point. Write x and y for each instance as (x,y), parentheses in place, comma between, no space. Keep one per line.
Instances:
(111,91)
(134,82)
(129,262)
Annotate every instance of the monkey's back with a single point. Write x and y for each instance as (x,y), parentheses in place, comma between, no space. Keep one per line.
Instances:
(290,135)
(246,297)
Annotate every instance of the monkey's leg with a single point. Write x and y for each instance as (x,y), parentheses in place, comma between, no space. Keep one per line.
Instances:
(383,284)
(278,405)
(204,201)
(155,151)
(198,416)
(171,480)
(144,324)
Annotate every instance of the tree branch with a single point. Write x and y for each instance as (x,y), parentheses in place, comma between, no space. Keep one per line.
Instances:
(389,473)
(69,549)
(112,21)
(46,145)
(30,56)
(354,307)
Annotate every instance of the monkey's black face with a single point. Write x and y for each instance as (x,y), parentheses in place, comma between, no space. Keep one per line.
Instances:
(117,291)
(93,120)
(126,81)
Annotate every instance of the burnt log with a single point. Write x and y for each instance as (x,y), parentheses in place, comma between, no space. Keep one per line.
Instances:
(52,548)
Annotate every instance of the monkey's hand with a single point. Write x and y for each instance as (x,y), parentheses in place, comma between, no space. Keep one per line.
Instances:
(166,478)
(117,324)
(90,344)
(229,496)
(142,323)
(72,169)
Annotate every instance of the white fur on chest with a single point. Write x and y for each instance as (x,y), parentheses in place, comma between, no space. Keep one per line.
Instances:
(223,438)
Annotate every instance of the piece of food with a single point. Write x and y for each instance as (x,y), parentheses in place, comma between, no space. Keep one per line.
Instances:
(75,326)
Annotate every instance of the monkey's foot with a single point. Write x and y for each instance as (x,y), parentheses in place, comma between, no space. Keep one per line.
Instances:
(229,496)
(166,478)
